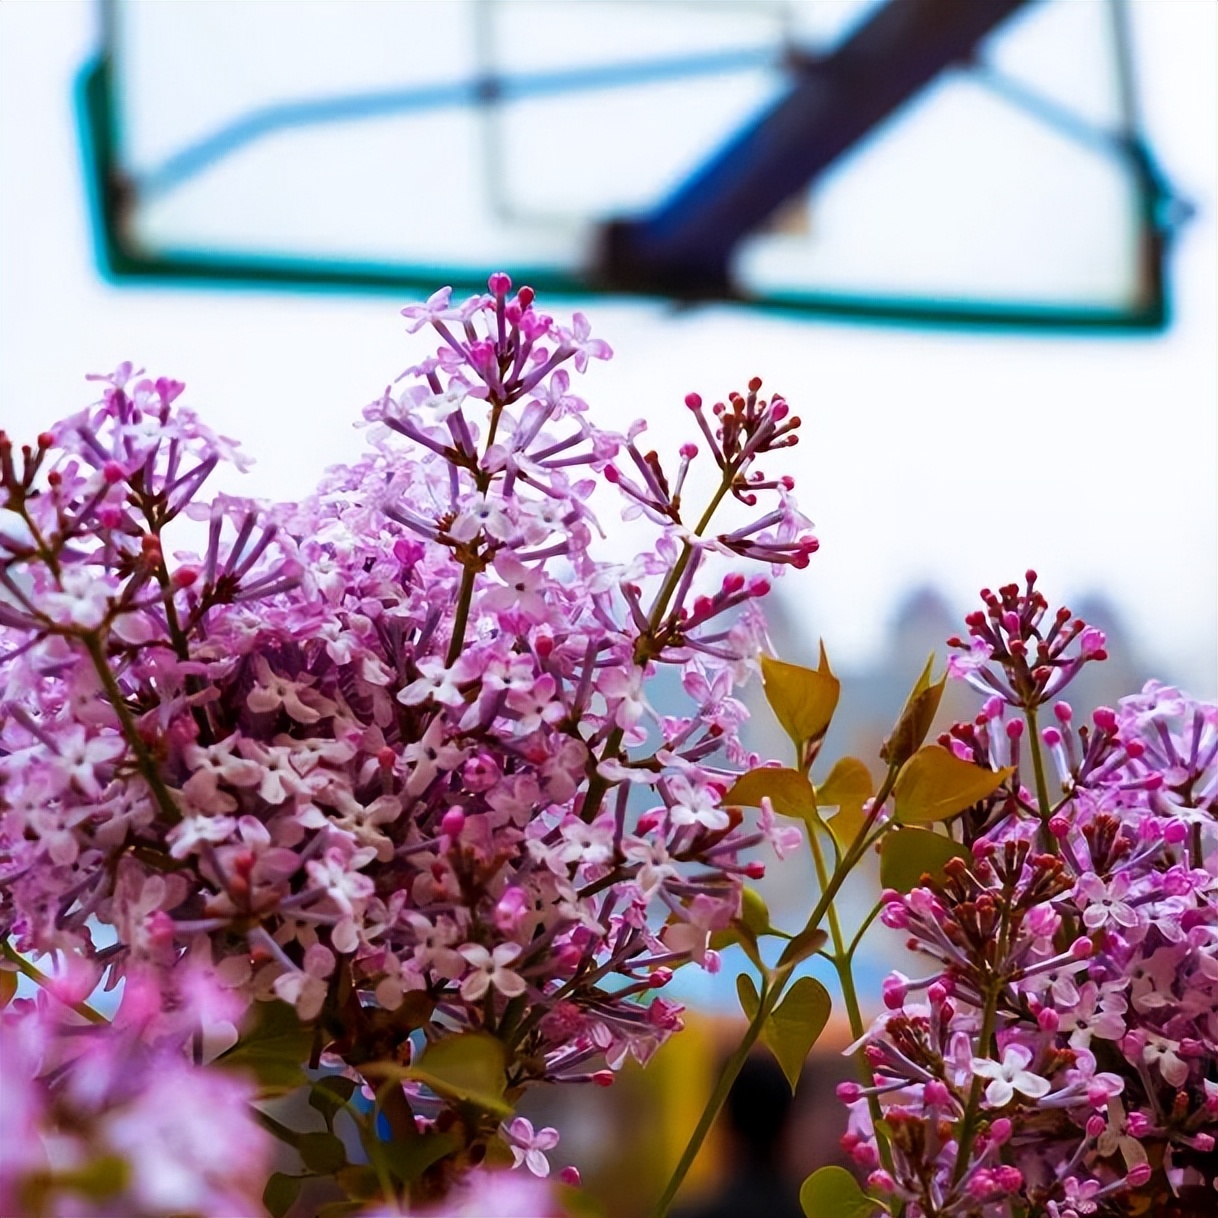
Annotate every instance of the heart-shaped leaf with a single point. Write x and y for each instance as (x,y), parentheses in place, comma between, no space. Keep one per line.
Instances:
(803,699)
(467,1067)
(935,784)
(908,854)
(832,1192)
(323,1153)
(848,787)
(788,790)
(273,1047)
(795,1025)
(280,1193)
(801,946)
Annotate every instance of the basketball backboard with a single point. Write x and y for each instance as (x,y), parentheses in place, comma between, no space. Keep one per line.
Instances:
(923,160)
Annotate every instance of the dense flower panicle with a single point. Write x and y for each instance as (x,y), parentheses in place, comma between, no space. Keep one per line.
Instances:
(1059,1057)
(381,754)
(1014,653)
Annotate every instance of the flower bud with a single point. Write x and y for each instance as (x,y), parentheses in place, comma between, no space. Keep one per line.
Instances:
(881,1182)
(1138,1175)
(936,1093)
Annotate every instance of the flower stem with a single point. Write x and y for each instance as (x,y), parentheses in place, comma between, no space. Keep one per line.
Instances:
(718,1096)
(843,959)
(144,759)
(968,1129)
(1042,787)
(38,977)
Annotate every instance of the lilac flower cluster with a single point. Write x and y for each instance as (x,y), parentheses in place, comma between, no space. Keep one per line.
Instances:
(1060,1057)
(373,754)
(118,1119)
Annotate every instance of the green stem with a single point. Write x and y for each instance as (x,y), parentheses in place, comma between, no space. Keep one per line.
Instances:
(858,847)
(598,786)
(38,977)
(289,1137)
(845,978)
(1042,787)
(862,930)
(660,605)
(718,1096)
(842,964)
(968,1129)
(144,759)
(464,599)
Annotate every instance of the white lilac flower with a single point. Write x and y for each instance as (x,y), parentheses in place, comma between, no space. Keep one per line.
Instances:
(1009,1076)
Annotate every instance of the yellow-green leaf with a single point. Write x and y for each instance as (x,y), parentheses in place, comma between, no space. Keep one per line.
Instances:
(795,1025)
(801,946)
(322,1153)
(788,790)
(803,699)
(848,787)
(832,1192)
(409,1159)
(737,933)
(100,1179)
(908,854)
(936,784)
(280,1193)
(746,991)
(754,912)
(273,1047)
(916,718)
(358,1181)
(467,1067)
(329,1095)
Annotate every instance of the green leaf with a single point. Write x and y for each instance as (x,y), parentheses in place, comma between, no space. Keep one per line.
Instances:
(737,933)
(410,1159)
(788,790)
(467,1067)
(339,1209)
(280,1193)
(100,1178)
(906,855)
(936,784)
(832,1192)
(803,699)
(8,986)
(273,1047)
(803,945)
(848,787)
(329,1095)
(916,718)
(322,1153)
(795,1025)
(746,991)
(754,913)
(358,1181)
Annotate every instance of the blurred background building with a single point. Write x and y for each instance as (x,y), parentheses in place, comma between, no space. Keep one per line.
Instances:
(987,285)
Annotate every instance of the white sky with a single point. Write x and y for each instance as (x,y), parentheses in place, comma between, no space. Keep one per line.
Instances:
(928,456)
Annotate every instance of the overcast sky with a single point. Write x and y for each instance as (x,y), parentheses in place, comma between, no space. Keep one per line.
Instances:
(928,456)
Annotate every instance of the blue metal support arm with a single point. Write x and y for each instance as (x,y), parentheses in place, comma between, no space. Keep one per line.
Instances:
(684,247)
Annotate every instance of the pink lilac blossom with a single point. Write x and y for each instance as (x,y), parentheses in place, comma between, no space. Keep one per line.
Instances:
(111,1120)
(373,754)
(1059,1057)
